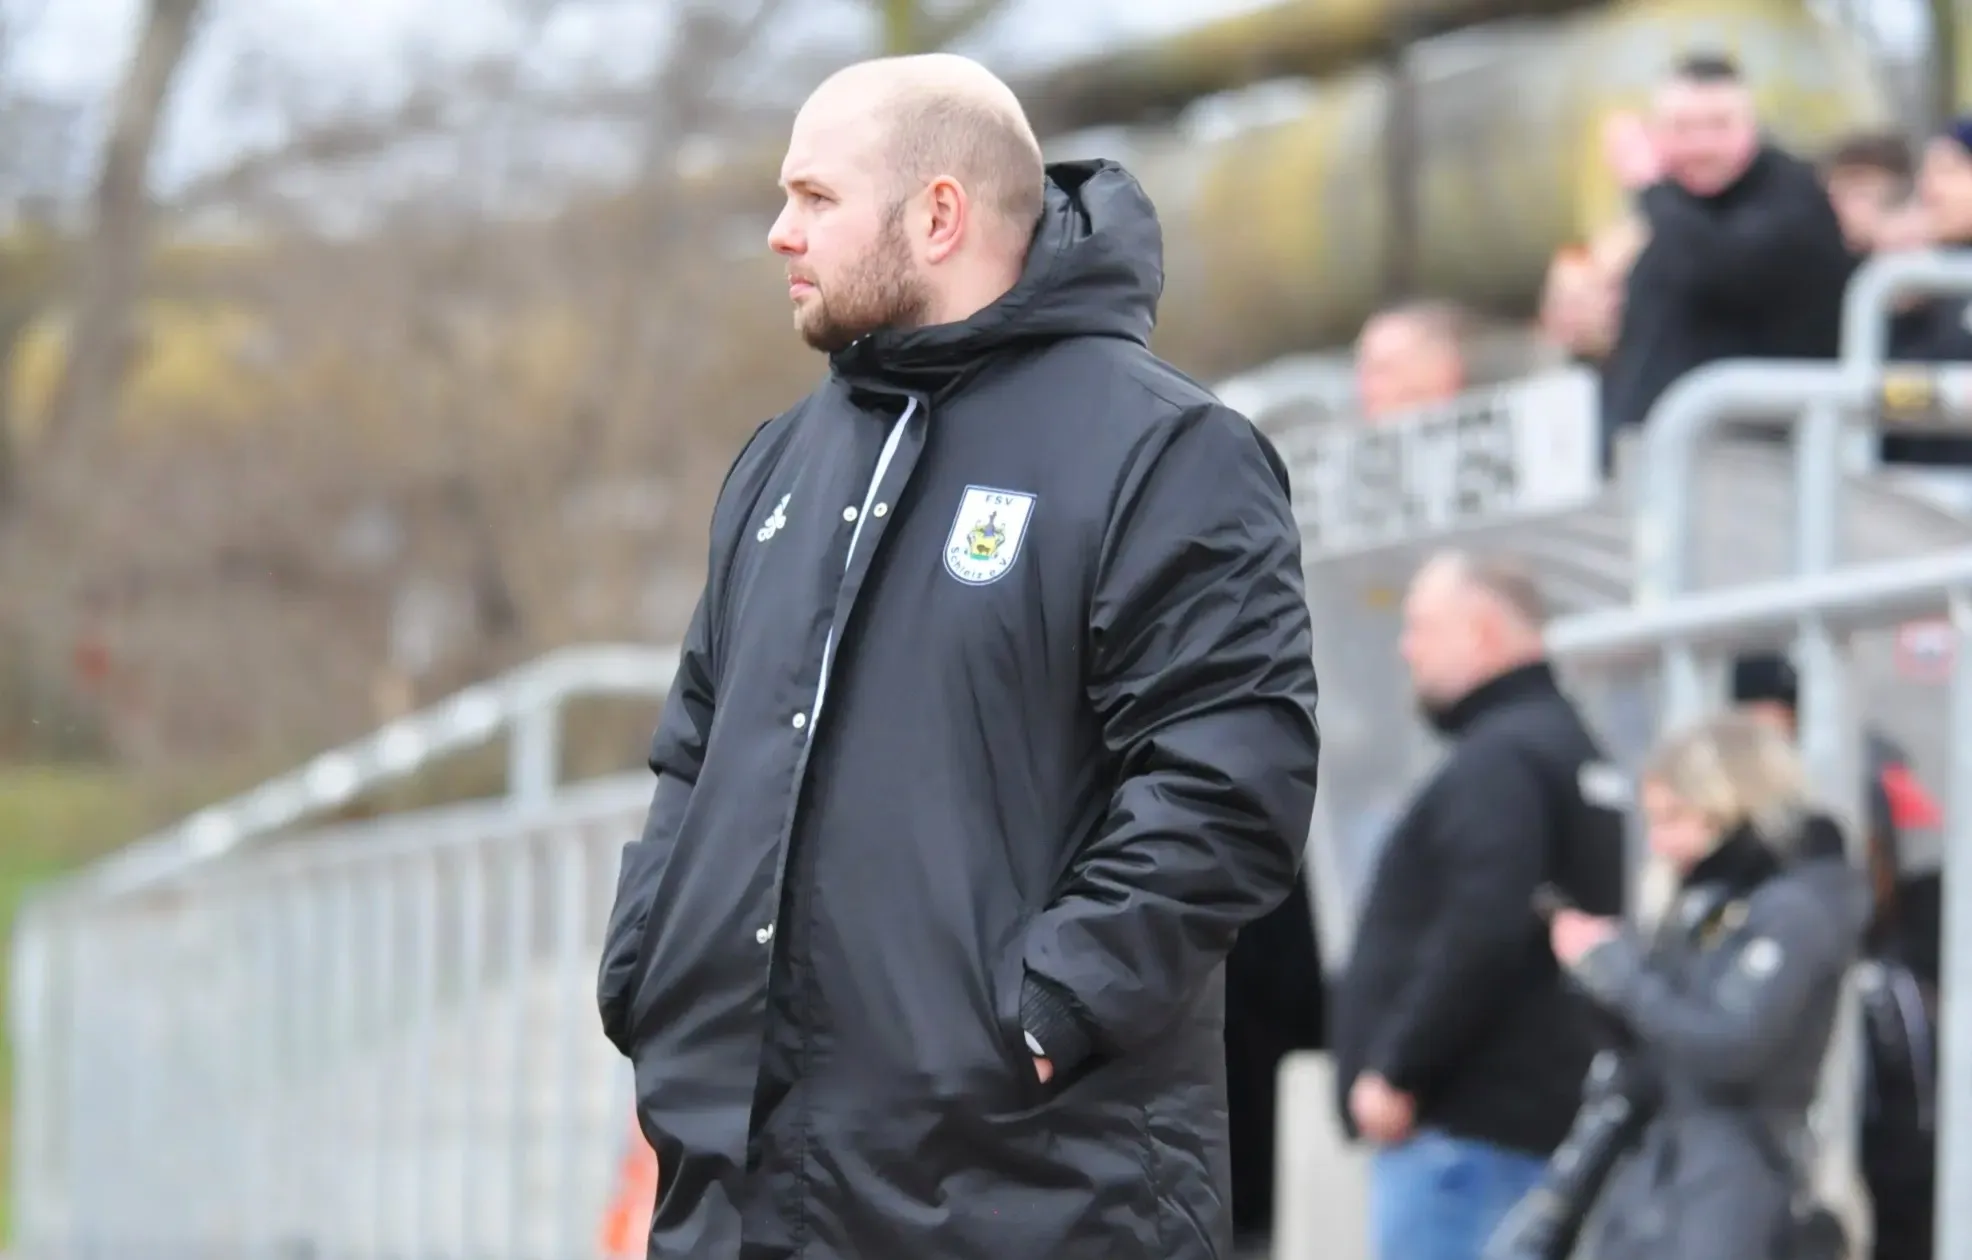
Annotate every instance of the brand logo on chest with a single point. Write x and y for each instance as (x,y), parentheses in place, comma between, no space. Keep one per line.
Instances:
(986,534)
(775,522)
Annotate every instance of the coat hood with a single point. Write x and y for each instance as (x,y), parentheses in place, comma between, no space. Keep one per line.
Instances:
(1095,268)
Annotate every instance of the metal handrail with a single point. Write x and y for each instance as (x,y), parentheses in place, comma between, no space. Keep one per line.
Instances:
(526,701)
(1843,599)
(1876,286)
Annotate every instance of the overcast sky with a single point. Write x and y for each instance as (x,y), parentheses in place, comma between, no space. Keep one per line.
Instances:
(366,50)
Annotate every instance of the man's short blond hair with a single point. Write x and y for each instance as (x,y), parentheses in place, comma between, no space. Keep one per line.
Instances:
(934,114)
(995,157)
(1506,579)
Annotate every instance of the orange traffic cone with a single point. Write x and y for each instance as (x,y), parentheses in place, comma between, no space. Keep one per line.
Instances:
(626,1224)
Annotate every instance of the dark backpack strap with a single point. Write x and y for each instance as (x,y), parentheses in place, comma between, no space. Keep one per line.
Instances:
(1901,1033)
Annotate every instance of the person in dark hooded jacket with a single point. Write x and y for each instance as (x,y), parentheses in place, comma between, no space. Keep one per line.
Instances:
(994,725)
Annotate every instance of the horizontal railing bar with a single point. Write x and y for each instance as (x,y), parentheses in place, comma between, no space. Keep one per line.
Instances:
(1879,594)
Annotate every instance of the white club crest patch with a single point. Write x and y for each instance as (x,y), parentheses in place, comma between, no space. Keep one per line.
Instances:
(986,534)
(1761,958)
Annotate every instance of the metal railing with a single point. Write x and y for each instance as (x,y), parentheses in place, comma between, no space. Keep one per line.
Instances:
(525,705)
(380,1042)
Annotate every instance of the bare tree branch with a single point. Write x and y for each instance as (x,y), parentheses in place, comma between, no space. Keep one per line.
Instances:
(514,419)
(99,338)
(945,29)
(723,39)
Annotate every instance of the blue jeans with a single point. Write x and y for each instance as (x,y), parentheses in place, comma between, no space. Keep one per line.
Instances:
(1439,1197)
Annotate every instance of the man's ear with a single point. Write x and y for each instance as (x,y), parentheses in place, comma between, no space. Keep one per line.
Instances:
(948,217)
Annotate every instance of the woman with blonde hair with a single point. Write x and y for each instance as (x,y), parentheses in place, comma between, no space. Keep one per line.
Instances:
(1691,1144)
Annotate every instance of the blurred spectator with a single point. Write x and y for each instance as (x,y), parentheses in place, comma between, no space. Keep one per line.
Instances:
(1899,1151)
(1904,228)
(1459,1052)
(1935,330)
(1745,256)
(1940,330)
(1869,177)
(1766,687)
(1726,1013)
(1411,356)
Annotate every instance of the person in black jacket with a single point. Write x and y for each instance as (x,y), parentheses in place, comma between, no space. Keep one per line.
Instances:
(1459,1051)
(1938,329)
(1745,257)
(994,725)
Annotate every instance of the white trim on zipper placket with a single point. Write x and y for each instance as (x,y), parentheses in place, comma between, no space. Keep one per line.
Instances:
(869,498)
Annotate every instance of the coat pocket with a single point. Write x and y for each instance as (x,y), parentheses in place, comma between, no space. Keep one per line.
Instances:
(1009,976)
(626,939)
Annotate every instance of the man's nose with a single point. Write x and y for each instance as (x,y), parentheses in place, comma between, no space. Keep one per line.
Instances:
(782,238)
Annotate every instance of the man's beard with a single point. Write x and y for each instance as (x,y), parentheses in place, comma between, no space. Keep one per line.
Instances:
(879,292)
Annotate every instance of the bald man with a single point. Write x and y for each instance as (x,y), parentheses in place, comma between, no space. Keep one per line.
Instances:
(994,725)
(1410,357)
(1460,1051)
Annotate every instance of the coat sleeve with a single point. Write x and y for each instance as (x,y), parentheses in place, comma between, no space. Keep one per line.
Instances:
(677,753)
(1744,257)
(1200,672)
(1733,1032)
(1491,844)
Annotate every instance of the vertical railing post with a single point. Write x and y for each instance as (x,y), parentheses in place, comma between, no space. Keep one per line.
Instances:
(1830,739)
(1666,516)
(38,1047)
(1866,310)
(534,755)
(1954,1219)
